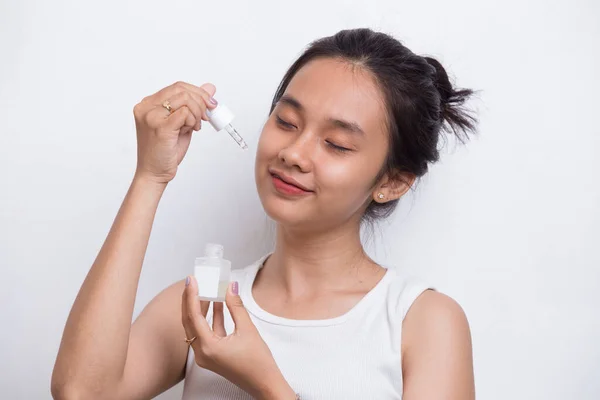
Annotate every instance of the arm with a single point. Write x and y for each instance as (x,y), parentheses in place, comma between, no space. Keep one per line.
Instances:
(102,356)
(437,351)
(95,344)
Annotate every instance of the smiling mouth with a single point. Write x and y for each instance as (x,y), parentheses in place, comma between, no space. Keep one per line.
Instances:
(289,183)
(284,186)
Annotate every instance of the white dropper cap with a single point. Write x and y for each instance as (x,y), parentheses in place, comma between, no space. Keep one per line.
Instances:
(220,118)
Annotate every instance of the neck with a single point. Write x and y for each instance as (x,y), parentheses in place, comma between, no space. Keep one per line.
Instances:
(315,261)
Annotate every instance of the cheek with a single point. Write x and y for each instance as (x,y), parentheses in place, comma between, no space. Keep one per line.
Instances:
(268,144)
(349,180)
(266,151)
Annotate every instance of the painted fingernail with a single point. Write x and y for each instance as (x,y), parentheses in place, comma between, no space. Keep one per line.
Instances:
(187,280)
(235,288)
(213,101)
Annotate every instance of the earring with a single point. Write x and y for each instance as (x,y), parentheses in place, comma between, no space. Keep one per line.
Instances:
(380,195)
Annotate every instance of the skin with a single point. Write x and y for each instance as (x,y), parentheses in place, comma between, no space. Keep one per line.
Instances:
(318,258)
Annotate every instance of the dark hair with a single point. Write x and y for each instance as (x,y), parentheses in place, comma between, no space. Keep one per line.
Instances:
(421,102)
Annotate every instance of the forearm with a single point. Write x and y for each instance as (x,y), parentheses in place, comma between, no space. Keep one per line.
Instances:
(94,345)
(276,389)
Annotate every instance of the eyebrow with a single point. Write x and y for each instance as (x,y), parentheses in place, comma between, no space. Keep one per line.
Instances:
(348,126)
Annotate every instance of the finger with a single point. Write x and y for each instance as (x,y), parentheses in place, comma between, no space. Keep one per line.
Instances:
(206,91)
(201,99)
(208,96)
(238,312)
(204,305)
(204,98)
(192,101)
(180,118)
(186,316)
(193,318)
(202,94)
(175,122)
(218,319)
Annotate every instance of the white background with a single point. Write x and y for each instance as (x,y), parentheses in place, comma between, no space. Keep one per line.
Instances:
(508,225)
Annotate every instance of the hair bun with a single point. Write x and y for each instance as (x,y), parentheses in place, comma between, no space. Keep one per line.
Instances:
(441,80)
(455,117)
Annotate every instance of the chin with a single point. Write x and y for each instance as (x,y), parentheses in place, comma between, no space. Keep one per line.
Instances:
(284,212)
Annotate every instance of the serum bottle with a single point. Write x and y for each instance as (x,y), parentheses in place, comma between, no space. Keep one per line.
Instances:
(213,273)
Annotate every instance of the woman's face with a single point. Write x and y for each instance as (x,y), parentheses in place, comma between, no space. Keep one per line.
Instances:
(322,147)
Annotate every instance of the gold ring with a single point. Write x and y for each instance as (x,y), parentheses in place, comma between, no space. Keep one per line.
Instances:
(167,105)
(189,341)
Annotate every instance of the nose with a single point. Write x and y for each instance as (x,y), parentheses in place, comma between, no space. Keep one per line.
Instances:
(299,153)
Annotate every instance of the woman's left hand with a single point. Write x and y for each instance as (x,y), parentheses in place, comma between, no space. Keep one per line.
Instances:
(242,357)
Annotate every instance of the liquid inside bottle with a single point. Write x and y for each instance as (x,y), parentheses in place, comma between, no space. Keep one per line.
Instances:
(213,274)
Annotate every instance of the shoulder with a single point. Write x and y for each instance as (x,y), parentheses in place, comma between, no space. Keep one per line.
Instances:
(420,305)
(422,309)
(433,309)
(436,343)
(435,318)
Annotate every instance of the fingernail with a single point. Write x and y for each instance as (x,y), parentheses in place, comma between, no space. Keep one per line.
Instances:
(187,280)
(213,101)
(235,288)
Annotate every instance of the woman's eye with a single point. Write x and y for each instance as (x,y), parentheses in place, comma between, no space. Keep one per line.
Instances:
(283,123)
(336,147)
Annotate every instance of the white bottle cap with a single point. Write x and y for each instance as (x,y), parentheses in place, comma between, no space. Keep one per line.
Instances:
(220,117)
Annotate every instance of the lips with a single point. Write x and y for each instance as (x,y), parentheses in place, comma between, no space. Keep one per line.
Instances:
(287,184)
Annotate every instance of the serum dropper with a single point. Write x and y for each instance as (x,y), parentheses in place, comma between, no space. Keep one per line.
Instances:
(220,118)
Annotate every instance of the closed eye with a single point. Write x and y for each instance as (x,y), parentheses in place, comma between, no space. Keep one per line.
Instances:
(283,123)
(336,147)
(333,146)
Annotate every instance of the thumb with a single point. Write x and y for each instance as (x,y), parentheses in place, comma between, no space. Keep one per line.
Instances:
(238,312)
(210,88)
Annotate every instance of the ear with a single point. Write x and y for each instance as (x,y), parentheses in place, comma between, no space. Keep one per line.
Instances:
(393,186)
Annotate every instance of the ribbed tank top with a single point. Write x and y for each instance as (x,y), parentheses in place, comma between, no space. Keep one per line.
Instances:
(354,356)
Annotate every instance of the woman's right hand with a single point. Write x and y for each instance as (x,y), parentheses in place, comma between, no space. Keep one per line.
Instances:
(163,137)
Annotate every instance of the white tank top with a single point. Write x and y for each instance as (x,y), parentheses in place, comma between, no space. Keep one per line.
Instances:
(353,356)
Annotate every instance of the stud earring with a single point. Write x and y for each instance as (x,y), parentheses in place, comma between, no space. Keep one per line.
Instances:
(380,195)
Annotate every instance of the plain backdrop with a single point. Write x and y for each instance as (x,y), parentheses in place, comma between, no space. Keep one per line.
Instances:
(507,225)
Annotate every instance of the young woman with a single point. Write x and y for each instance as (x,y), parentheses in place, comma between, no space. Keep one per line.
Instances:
(355,121)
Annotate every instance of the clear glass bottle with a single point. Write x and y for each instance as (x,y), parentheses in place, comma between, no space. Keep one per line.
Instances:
(213,273)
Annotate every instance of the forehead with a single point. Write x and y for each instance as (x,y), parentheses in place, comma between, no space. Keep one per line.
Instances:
(334,88)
